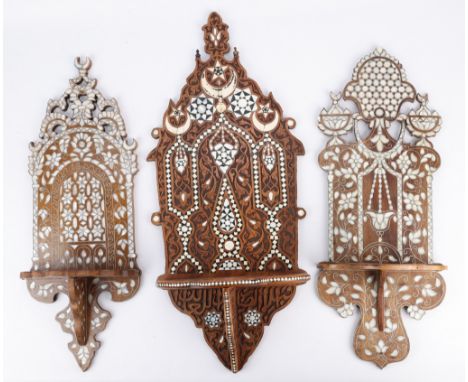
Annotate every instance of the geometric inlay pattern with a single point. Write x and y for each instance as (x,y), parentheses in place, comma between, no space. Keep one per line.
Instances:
(226,170)
(82,209)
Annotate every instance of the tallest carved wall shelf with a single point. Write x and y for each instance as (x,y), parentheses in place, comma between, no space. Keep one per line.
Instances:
(380,197)
(226,166)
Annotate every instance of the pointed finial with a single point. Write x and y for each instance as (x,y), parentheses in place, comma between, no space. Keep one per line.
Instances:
(379,51)
(83,67)
(422,98)
(335,97)
(216,36)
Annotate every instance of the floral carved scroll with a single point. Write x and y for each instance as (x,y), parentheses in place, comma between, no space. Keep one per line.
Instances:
(380,207)
(83,243)
(226,166)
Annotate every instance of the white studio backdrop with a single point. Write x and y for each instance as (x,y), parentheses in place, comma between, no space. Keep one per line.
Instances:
(142,51)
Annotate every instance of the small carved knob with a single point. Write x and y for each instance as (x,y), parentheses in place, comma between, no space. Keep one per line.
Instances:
(156,218)
(155,133)
(290,123)
(301,213)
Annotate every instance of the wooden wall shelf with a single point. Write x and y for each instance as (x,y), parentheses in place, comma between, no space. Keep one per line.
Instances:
(226,169)
(82,168)
(380,207)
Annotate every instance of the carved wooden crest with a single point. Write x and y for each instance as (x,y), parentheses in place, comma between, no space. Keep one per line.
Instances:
(379,197)
(82,168)
(226,166)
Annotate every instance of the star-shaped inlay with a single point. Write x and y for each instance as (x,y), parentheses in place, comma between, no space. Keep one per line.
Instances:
(177,114)
(265,110)
(218,71)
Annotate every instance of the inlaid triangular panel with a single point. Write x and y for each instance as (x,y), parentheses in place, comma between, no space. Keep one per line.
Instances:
(226,167)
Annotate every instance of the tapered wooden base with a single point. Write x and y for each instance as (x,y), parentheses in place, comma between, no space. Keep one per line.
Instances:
(83,318)
(381,291)
(232,310)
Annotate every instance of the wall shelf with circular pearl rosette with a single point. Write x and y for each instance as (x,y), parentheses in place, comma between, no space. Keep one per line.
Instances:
(82,168)
(226,170)
(380,207)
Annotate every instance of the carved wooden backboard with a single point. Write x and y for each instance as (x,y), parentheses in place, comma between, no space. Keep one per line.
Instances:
(226,167)
(380,206)
(82,168)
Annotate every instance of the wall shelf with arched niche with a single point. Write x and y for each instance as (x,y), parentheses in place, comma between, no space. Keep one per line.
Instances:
(226,170)
(82,168)
(380,207)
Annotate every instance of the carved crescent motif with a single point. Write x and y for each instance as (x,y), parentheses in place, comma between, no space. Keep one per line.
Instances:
(265,127)
(219,92)
(242,267)
(177,130)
